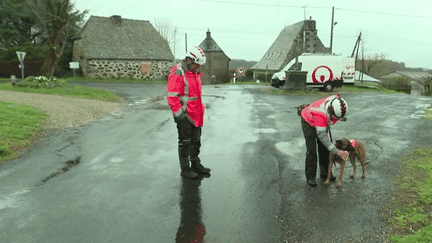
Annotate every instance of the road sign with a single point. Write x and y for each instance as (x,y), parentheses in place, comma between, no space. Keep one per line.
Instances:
(74,65)
(21,56)
(241,70)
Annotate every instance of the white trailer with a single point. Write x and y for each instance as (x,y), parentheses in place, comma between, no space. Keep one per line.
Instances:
(325,71)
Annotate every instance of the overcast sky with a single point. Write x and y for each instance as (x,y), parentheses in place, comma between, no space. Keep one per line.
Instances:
(245,29)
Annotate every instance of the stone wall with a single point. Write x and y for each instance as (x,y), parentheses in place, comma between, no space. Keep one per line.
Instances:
(139,69)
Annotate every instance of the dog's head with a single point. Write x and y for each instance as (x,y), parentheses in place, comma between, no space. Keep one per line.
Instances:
(344,144)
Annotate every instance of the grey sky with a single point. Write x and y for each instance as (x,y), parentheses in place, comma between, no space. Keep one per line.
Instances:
(245,29)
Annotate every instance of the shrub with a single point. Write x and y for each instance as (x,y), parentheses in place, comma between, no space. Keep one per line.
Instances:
(41,82)
(263,77)
(4,151)
(401,84)
(249,73)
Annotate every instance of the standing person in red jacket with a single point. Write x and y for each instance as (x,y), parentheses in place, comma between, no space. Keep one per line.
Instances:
(184,98)
(316,121)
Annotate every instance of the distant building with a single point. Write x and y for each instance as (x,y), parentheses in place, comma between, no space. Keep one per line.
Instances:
(116,47)
(413,76)
(292,41)
(417,80)
(217,64)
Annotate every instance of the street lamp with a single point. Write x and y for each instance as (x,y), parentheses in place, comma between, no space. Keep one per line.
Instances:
(21,56)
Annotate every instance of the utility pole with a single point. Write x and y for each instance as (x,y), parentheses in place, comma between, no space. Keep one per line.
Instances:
(357,45)
(175,34)
(186,43)
(331,32)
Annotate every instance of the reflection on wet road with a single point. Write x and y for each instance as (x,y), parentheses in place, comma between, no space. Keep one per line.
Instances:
(192,228)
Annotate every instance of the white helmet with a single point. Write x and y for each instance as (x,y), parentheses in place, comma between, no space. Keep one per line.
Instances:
(340,107)
(196,54)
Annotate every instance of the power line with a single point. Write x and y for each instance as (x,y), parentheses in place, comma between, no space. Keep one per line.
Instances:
(257,4)
(292,6)
(380,13)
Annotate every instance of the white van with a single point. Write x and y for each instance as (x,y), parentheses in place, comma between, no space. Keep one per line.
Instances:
(325,71)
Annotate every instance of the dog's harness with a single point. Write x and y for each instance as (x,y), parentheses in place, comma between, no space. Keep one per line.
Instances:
(353,143)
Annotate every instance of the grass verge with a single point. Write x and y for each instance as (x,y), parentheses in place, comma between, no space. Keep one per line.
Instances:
(67,90)
(369,87)
(410,210)
(428,113)
(18,124)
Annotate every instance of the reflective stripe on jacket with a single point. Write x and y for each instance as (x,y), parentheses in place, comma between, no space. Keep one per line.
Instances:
(184,94)
(317,116)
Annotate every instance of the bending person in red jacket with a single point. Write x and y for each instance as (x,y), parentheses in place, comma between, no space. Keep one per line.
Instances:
(316,121)
(184,98)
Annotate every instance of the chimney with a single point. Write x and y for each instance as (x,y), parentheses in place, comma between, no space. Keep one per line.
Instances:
(116,20)
(208,33)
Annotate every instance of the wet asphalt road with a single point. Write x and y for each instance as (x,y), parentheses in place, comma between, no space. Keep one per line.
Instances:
(127,185)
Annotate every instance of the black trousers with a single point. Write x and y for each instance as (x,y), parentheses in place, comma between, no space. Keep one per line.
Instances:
(312,143)
(189,142)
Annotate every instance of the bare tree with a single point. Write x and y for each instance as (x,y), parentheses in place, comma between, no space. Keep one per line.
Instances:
(168,31)
(375,65)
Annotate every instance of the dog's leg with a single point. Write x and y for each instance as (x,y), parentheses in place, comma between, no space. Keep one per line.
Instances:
(342,170)
(361,155)
(352,158)
(330,166)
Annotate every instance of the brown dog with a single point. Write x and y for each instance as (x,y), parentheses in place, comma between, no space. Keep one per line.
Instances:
(356,149)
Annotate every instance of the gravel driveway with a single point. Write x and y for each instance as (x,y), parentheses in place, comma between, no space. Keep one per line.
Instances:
(63,111)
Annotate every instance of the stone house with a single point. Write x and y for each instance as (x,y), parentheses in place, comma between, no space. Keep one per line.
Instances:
(116,47)
(292,41)
(217,62)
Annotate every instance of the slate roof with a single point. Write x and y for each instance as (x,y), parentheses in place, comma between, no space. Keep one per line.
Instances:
(417,76)
(278,51)
(285,48)
(110,38)
(367,78)
(210,45)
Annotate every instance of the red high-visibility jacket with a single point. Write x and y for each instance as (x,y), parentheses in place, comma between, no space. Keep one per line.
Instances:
(184,94)
(317,116)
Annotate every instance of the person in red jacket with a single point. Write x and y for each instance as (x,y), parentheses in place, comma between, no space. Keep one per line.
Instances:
(184,98)
(316,121)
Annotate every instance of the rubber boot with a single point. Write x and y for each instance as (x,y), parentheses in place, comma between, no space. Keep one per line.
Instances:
(187,172)
(312,182)
(199,168)
(324,174)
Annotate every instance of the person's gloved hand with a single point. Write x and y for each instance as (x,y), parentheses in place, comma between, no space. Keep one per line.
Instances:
(342,154)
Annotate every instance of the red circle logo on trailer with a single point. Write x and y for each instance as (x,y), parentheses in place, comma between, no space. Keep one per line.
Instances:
(322,74)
